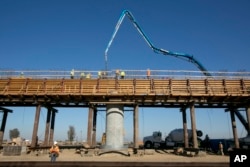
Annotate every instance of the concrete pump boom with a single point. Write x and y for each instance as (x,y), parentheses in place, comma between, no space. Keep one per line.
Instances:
(186,57)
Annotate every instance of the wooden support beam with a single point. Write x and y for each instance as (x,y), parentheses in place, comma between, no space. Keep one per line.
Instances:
(35,127)
(193,125)
(4,119)
(90,125)
(47,126)
(52,127)
(185,130)
(136,125)
(236,140)
(248,119)
(94,127)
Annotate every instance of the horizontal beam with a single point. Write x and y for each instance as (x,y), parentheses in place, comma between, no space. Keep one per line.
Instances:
(5,109)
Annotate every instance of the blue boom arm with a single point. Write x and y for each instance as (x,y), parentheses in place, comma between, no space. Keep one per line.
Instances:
(186,57)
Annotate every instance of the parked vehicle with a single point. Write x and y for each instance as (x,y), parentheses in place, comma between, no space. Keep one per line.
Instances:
(228,144)
(175,138)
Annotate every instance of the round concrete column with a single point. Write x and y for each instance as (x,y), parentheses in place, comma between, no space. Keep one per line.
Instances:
(114,127)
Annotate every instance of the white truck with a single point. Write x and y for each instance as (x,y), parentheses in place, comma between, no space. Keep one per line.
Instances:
(175,138)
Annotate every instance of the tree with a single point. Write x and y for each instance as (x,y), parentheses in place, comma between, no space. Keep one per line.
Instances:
(71,133)
(14,133)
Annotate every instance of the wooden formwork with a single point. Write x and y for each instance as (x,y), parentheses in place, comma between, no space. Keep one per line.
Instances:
(181,87)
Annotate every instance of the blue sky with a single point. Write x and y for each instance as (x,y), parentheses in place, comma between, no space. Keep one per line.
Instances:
(66,34)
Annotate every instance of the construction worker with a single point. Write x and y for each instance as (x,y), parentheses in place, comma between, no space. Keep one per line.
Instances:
(82,75)
(103,138)
(148,73)
(122,74)
(104,75)
(21,75)
(88,76)
(117,73)
(72,73)
(221,148)
(54,152)
(99,74)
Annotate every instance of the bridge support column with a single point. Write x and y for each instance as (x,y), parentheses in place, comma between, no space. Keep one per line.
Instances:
(52,127)
(193,125)
(94,127)
(136,126)
(46,135)
(185,131)
(90,126)
(114,127)
(35,128)
(91,132)
(4,119)
(248,120)
(236,140)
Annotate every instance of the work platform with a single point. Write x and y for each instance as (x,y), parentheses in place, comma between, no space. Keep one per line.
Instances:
(146,92)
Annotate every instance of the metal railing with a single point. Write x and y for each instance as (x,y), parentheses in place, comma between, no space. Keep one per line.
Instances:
(129,74)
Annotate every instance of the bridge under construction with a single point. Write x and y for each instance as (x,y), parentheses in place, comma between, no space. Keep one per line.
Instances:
(142,88)
(165,89)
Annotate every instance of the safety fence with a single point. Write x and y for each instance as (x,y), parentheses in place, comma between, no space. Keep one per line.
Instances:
(129,74)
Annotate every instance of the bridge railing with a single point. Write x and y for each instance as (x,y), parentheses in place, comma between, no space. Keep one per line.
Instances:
(129,74)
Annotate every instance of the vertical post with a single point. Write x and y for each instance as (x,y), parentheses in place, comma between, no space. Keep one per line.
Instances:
(236,140)
(5,114)
(52,127)
(193,125)
(248,119)
(35,128)
(94,128)
(185,131)
(136,126)
(90,125)
(46,136)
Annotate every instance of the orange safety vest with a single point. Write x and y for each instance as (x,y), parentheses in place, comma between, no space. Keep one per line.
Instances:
(54,149)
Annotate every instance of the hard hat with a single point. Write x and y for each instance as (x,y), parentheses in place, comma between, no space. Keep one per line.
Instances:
(55,142)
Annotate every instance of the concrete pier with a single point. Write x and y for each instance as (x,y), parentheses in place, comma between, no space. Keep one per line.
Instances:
(114,127)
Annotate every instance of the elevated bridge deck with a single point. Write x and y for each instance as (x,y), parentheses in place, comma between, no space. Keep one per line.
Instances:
(147,92)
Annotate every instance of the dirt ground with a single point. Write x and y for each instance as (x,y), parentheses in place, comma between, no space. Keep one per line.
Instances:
(145,156)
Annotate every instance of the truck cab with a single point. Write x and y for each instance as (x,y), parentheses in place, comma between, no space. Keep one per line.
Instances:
(153,141)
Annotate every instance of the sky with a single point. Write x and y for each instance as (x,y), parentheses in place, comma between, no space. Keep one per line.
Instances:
(73,34)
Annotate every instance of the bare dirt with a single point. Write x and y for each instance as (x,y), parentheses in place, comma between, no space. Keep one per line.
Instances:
(146,156)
